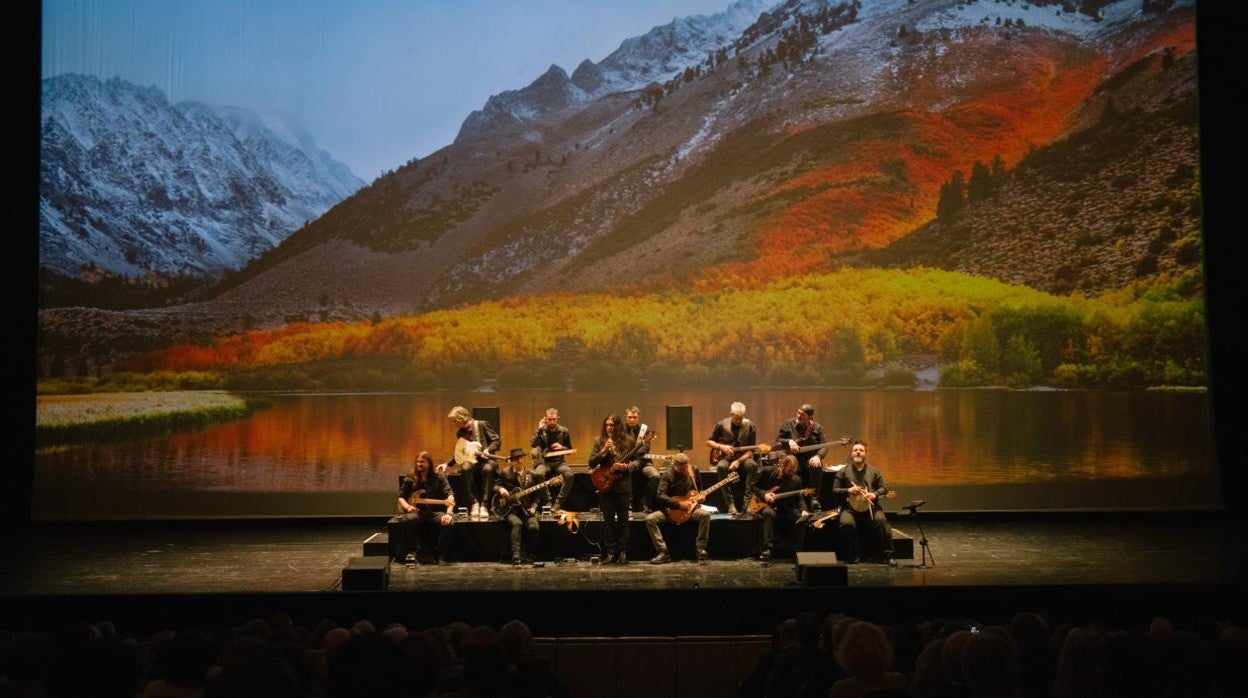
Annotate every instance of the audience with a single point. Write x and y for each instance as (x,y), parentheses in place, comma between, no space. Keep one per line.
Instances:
(835,656)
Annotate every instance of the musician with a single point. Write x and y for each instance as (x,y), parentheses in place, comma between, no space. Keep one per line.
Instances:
(643,496)
(780,489)
(677,481)
(611,449)
(801,431)
(520,515)
(551,436)
(476,430)
(862,484)
(729,434)
(424,482)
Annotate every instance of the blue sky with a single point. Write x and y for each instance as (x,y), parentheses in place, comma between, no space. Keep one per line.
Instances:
(376,82)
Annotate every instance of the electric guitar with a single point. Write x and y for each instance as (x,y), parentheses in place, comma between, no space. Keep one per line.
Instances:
(499,505)
(468,452)
(777,453)
(416,499)
(757,504)
(716,455)
(857,502)
(604,477)
(681,515)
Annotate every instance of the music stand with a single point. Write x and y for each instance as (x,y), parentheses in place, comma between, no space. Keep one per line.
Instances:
(913,508)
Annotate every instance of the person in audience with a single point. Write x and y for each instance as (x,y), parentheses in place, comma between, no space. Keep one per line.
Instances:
(866,655)
(990,665)
(802,669)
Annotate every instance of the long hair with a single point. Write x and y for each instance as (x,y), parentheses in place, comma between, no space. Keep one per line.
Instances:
(428,459)
(602,435)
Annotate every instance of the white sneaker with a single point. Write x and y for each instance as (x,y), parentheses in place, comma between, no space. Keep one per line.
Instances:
(476,510)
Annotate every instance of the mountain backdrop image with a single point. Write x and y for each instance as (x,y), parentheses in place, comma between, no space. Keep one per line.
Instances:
(1022,173)
(969,231)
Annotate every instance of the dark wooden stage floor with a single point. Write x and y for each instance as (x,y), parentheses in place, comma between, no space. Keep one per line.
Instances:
(1082,567)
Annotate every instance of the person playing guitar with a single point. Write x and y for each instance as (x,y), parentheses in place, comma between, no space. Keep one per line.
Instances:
(733,442)
(797,433)
(551,437)
(677,481)
(862,486)
(779,487)
(610,449)
(519,513)
(476,444)
(425,499)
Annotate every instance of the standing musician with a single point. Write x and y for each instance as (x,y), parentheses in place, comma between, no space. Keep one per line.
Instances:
(677,481)
(643,497)
(862,486)
(732,432)
(551,436)
(520,515)
(424,483)
(801,431)
(475,431)
(779,487)
(610,448)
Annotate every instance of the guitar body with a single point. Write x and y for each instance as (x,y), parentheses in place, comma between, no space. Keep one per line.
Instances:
(604,479)
(679,516)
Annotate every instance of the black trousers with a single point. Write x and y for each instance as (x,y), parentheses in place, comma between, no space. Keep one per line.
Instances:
(542,471)
(408,532)
(614,506)
(469,472)
(524,530)
(790,516)
(856,528)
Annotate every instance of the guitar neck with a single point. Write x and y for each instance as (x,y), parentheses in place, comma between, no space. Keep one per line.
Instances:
(530,490)
(732,477)
(794,493)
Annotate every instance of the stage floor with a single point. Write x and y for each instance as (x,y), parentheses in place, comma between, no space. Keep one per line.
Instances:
(1020,562)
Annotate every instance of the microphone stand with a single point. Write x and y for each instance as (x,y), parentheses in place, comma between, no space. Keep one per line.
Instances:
(926,550)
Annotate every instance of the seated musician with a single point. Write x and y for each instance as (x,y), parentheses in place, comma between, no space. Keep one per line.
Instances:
(425,500)
(551,436)
(646,475)
(862,514)
(519,513)
(726,438)
(675,485)
(777,493)
(800,432)
(481,433)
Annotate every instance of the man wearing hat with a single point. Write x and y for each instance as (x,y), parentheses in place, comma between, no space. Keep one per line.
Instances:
(802,431)
(518,513)
(677,481)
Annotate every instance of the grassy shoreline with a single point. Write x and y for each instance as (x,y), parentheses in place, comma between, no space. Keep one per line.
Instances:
(68,419)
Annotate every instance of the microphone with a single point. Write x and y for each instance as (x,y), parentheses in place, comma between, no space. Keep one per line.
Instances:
(912,506)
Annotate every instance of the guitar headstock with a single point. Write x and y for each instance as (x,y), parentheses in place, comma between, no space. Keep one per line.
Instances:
(845,440)
(650,436)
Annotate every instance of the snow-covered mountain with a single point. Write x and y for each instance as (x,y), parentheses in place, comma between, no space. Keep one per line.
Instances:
(131,184)
(653,57)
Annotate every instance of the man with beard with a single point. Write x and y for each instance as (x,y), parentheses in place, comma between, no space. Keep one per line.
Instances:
(425,500)
(519,513)
(677,481)
(862,487)
(804,431)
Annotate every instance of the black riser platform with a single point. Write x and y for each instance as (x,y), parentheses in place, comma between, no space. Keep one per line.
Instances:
(730,539)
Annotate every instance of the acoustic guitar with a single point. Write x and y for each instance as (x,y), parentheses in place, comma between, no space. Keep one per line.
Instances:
(681,515)
(604,477)
(499,506)
(757,504)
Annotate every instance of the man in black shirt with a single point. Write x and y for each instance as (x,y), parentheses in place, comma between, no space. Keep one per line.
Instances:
(519,513)
(551,436)
(726,438)
(677,481)
(643,496)
(425,499)
(779,494)
(800,432)
(862,487)
(471,431)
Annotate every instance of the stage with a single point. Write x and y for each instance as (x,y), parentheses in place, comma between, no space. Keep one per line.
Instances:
(1119,568)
